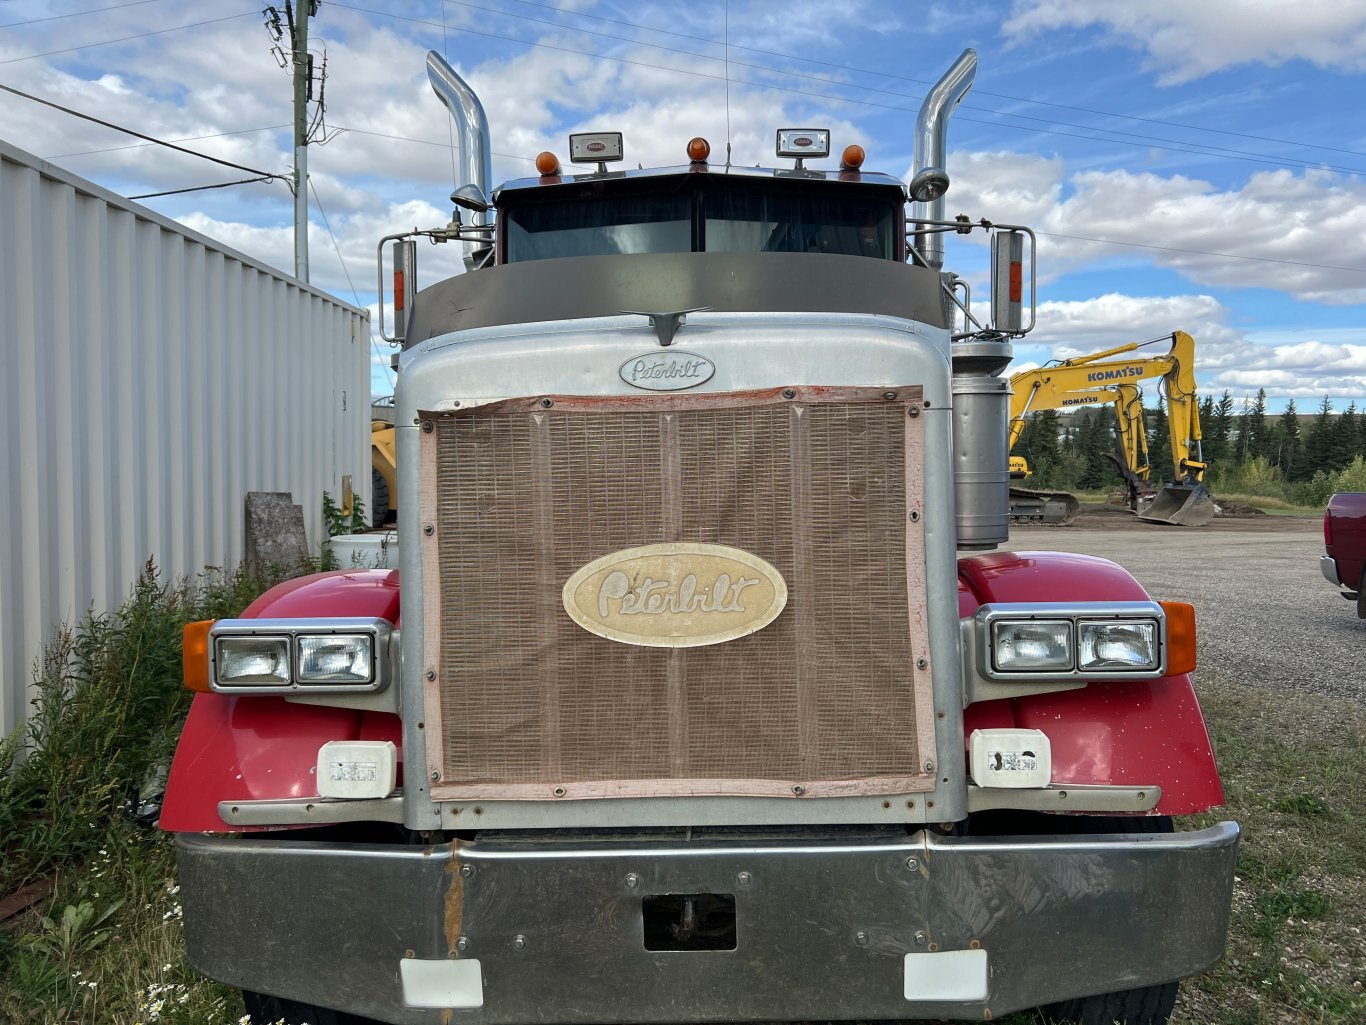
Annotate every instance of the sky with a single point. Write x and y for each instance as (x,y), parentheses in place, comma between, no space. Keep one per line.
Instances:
(1188,166)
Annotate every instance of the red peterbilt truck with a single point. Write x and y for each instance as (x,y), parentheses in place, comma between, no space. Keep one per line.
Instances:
(705,690)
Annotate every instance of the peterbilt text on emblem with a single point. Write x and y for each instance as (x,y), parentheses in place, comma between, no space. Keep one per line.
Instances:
(675,595)
(673,371)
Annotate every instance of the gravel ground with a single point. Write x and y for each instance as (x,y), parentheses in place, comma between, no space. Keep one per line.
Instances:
(1264,613)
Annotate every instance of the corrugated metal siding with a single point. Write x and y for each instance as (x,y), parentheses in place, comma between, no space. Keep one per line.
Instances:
(150,379)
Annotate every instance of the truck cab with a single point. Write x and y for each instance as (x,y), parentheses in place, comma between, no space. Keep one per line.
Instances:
(704,689)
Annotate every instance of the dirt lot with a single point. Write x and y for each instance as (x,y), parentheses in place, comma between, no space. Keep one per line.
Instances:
(1264,613)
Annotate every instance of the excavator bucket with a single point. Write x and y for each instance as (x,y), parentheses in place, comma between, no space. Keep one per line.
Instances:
(1185,505)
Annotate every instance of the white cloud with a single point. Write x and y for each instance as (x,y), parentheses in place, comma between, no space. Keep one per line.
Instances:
(1305,233)
(1185,40)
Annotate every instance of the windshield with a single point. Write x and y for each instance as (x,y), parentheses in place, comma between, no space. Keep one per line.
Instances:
(824,222)
(704,216)
(600,227)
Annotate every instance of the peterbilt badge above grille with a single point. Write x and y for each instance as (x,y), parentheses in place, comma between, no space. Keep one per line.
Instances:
(667,371)
(675,595)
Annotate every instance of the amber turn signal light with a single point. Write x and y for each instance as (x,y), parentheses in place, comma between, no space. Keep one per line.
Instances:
(195,661)
(852,158)
(698,149)
(1180,637)
(547,163)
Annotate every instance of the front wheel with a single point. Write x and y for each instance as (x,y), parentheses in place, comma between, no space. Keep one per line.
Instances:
(268,1010)
(1151,1005)
(1148,1005)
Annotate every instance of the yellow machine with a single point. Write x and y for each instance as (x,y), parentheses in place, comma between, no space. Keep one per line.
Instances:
(1185,500)
(383,472)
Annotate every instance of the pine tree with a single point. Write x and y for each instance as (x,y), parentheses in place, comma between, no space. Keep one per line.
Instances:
(1242,444)
(1257,440)
(1287,436)
(1217,426)
(1317,451)
(1346,443)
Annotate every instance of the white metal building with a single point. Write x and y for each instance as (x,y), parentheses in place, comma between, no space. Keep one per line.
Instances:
(149,378)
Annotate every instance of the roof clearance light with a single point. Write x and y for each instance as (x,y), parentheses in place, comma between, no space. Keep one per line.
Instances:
(547,163)
(596,147)
(852,158)
(803,142)
(698,149)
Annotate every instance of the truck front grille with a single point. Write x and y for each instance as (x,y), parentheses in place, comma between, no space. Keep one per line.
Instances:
(825,700)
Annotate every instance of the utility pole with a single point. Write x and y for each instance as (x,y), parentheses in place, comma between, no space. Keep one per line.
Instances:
(303,87)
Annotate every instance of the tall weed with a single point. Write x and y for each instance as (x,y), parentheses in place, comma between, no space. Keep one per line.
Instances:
(105,719)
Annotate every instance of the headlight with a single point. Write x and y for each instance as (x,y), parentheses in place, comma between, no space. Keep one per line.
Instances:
(1117,645)
(1023,643)
(342,654)
(336,658)
(253,661)
(1032,645)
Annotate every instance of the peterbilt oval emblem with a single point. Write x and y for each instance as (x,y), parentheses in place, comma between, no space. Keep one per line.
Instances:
(675,595)
(667,371)
(596,147)
(802,140)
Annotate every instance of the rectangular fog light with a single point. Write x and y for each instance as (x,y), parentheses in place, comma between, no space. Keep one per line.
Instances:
(1117,645)
(1018,759)
(250,661)
(1031,645)
(357,769)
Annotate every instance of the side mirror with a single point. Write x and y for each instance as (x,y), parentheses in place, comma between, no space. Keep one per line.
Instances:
(471,197)
(929,184)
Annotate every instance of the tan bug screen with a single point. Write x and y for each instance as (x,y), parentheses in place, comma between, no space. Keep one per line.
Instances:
(527,703)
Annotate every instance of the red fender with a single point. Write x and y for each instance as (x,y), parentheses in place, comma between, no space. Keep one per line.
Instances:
(254,747)
(1144,732)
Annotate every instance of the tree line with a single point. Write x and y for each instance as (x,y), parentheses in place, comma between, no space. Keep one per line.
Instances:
(1247,449)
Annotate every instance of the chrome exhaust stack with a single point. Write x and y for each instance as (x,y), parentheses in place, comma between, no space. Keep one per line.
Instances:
(930,180)
(981,396)
(472,126)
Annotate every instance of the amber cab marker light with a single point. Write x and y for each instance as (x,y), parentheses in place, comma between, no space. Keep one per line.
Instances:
(698,149)
(547,163)
(1180,637)
(196,657)
(852,158)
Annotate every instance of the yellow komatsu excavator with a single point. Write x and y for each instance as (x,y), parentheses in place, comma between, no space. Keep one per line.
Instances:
(383,473)
(1097,378)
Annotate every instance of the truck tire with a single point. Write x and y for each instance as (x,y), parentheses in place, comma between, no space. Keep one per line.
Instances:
(1361,595)
(379,498)
(1151,1005)
(1148,1005)
(268,1010)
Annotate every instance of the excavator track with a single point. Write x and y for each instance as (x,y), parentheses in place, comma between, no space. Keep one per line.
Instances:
(1055,508)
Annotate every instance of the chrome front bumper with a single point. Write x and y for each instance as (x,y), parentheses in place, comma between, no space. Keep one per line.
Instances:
(509,930)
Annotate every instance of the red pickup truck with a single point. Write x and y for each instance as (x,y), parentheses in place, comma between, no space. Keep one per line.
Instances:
(1344,537)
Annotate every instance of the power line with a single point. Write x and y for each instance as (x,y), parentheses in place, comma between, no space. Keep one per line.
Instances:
(340,259)
(202,188)
(77,14)
(124,39)
(921,81)
(426,142)
(1121,138)
(138,135)
(144,145)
